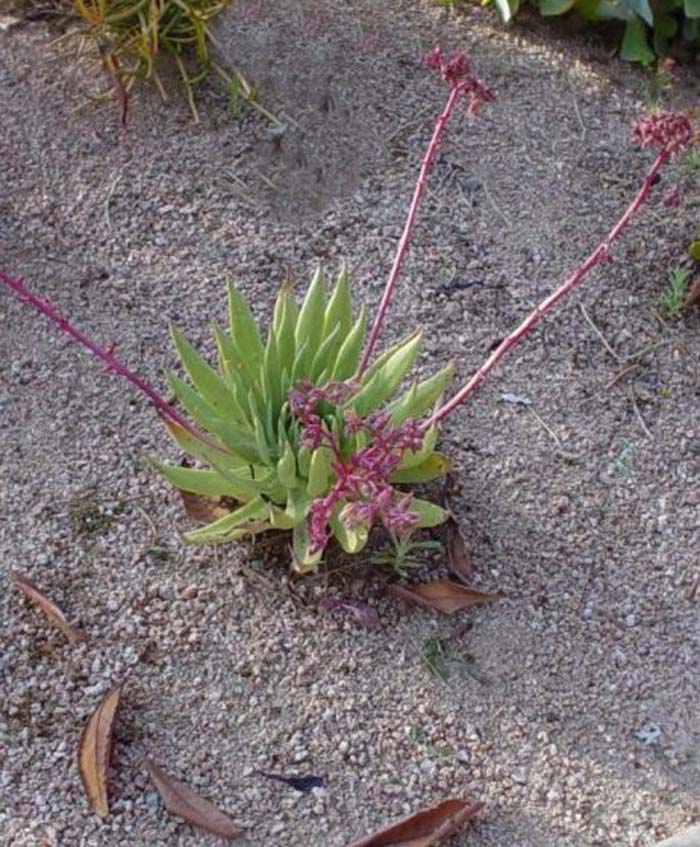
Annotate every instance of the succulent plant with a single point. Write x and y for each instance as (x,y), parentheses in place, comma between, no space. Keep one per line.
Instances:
(252,441)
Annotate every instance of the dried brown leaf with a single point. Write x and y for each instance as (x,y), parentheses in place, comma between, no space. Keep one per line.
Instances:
(50,609)
(458,559)
(693,297)
(179,799)
(201,508)
(444,595)
(426,828)
(94,749)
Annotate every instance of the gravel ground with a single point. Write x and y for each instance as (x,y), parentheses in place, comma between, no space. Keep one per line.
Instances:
(569,708)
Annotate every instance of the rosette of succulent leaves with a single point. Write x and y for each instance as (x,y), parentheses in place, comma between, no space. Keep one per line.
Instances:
(297,435)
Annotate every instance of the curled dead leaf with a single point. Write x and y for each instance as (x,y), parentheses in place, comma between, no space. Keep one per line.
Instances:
(201,508)
(457,556)
(49,608)
(443,595)
(179,799)
(426,828)
(693,298)
(94,749)
(361,612)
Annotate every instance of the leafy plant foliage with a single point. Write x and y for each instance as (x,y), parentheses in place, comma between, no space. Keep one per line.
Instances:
(253,443)
(649,25)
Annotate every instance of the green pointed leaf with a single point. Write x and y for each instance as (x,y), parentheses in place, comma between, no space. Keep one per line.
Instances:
(507,8)
(287,467)
(428,513)
(205,379)
(634,43)
(319,471)
(303,561)
(387,379)
(221,530)
(284,325)
(421,397)
(555,7)
(643,9)
(348,356)
(237,438)
(325,357)
(351,540)
(691,8)
(412,460)
(691,29)
(244,334)
(665,27)
(299,369)
(339,309)
(434,466)
(271,375)
(209,483)
(309,328)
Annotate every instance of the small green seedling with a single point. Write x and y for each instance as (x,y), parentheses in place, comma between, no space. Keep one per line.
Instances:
(401,556)
(436,751)
(676,293)
(433,657)
(621,461)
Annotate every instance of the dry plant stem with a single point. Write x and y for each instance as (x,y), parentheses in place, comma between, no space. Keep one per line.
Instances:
(106,355)
(600,254)
(401,250)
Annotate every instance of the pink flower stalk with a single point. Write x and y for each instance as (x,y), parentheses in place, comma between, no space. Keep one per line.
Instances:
(667,131)
(106,355)
(463,84)
(362,478)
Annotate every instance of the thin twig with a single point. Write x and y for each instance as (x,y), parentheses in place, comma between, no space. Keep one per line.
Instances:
(620,374)
(640,419)
(600,335)
(501,214)
(110,194)
(548,429)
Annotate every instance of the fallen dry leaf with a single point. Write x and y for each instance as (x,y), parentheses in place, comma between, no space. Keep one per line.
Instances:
(201,508)
(179,799)
(457,556)
(425,828)
(94,749)
(303,784)
(50,609)
(693,297)
(361,612)
(444,595)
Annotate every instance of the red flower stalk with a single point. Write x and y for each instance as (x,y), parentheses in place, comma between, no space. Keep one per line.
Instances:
(666,130)
(106,355)
(463,84)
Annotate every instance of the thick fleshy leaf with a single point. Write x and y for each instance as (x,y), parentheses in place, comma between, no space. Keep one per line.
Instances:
(634,43)
(287,466)
(339,308)
(208,483)
(54,615)
(303,561)
(205,379)
(351,540)
(383,382)
(348,356)
(426,828)
(221,529)
(244,333)
(284,324)
(179,799)
(417,457)
(434,466)
(319,471)
(309,328)
(324,360)
(507,8)
(429,514)
(443,595)
(94,749)
(271,375)
(236,438)
(421,397)
(555,7)
(691,8)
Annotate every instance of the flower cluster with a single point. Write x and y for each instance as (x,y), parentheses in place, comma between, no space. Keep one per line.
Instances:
(457,72)
(362,477)
(667,131)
